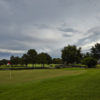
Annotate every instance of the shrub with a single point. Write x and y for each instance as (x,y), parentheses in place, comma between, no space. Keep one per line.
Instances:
(90,62)
(59,66)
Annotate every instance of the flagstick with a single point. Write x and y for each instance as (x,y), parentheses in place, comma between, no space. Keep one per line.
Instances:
(10,71)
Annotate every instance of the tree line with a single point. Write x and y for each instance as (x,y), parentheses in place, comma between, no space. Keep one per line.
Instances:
(72,54)
(69,55)
(31,57)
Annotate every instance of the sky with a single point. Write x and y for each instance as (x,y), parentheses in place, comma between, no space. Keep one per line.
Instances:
(48,26)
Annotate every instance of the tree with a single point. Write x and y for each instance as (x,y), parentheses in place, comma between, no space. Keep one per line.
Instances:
(21,61)
(90,62)
(95,50)
(88,54)
(12,60)
(25,59)
(42,59)
(16,60)
(48,58)
(1,63)
(56,61)
(4,61)
(32,55)
(71,54)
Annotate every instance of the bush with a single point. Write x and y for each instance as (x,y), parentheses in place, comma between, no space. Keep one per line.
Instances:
(90,62)
(59,66)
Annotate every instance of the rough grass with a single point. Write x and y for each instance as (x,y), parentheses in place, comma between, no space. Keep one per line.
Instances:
(52,84)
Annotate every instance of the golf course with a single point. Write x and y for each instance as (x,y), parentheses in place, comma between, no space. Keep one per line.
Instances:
(50,84)
(49,49)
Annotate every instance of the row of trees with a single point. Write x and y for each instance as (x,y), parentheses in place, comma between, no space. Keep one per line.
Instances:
(3,61)
(71,54)
(32,57)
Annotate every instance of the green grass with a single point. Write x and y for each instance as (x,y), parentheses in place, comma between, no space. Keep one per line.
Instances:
(39,65)
(45,65)
(29,65)
(98,66)
(50,84)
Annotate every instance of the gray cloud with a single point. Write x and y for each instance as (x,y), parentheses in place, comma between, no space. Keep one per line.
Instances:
(66,35)
(94,35)
(42,26)
(64,24)
(86,50)
(26,24)
(98,18)
(7,55)
(68,30)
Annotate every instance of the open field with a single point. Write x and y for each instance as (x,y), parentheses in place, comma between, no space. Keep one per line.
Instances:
(50,84)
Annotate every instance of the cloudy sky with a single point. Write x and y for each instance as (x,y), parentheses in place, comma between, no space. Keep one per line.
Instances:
(48,26)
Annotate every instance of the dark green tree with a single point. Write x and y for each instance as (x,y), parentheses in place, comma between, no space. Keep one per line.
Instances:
(21,61)
(32,55)
(95,50)
(25,59)
(4,61)
(90,62)
(87,54)
(16,60)
(71,54)
(42,59)
(48,58)
(1,63)
(56,61)
(12,60)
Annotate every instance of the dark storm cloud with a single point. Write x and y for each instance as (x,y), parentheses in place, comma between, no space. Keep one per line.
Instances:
(7,55)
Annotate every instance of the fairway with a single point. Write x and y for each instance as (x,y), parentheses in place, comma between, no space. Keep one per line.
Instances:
(50,84)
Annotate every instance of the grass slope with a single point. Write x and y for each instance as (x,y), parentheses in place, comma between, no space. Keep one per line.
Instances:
(53,84)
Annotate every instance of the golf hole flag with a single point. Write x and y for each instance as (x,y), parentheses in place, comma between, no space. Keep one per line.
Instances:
(8,63)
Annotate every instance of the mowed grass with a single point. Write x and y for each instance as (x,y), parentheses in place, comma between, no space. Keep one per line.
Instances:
(50,84)
(29,65)
(39,65)
(17,76)
(45,65)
